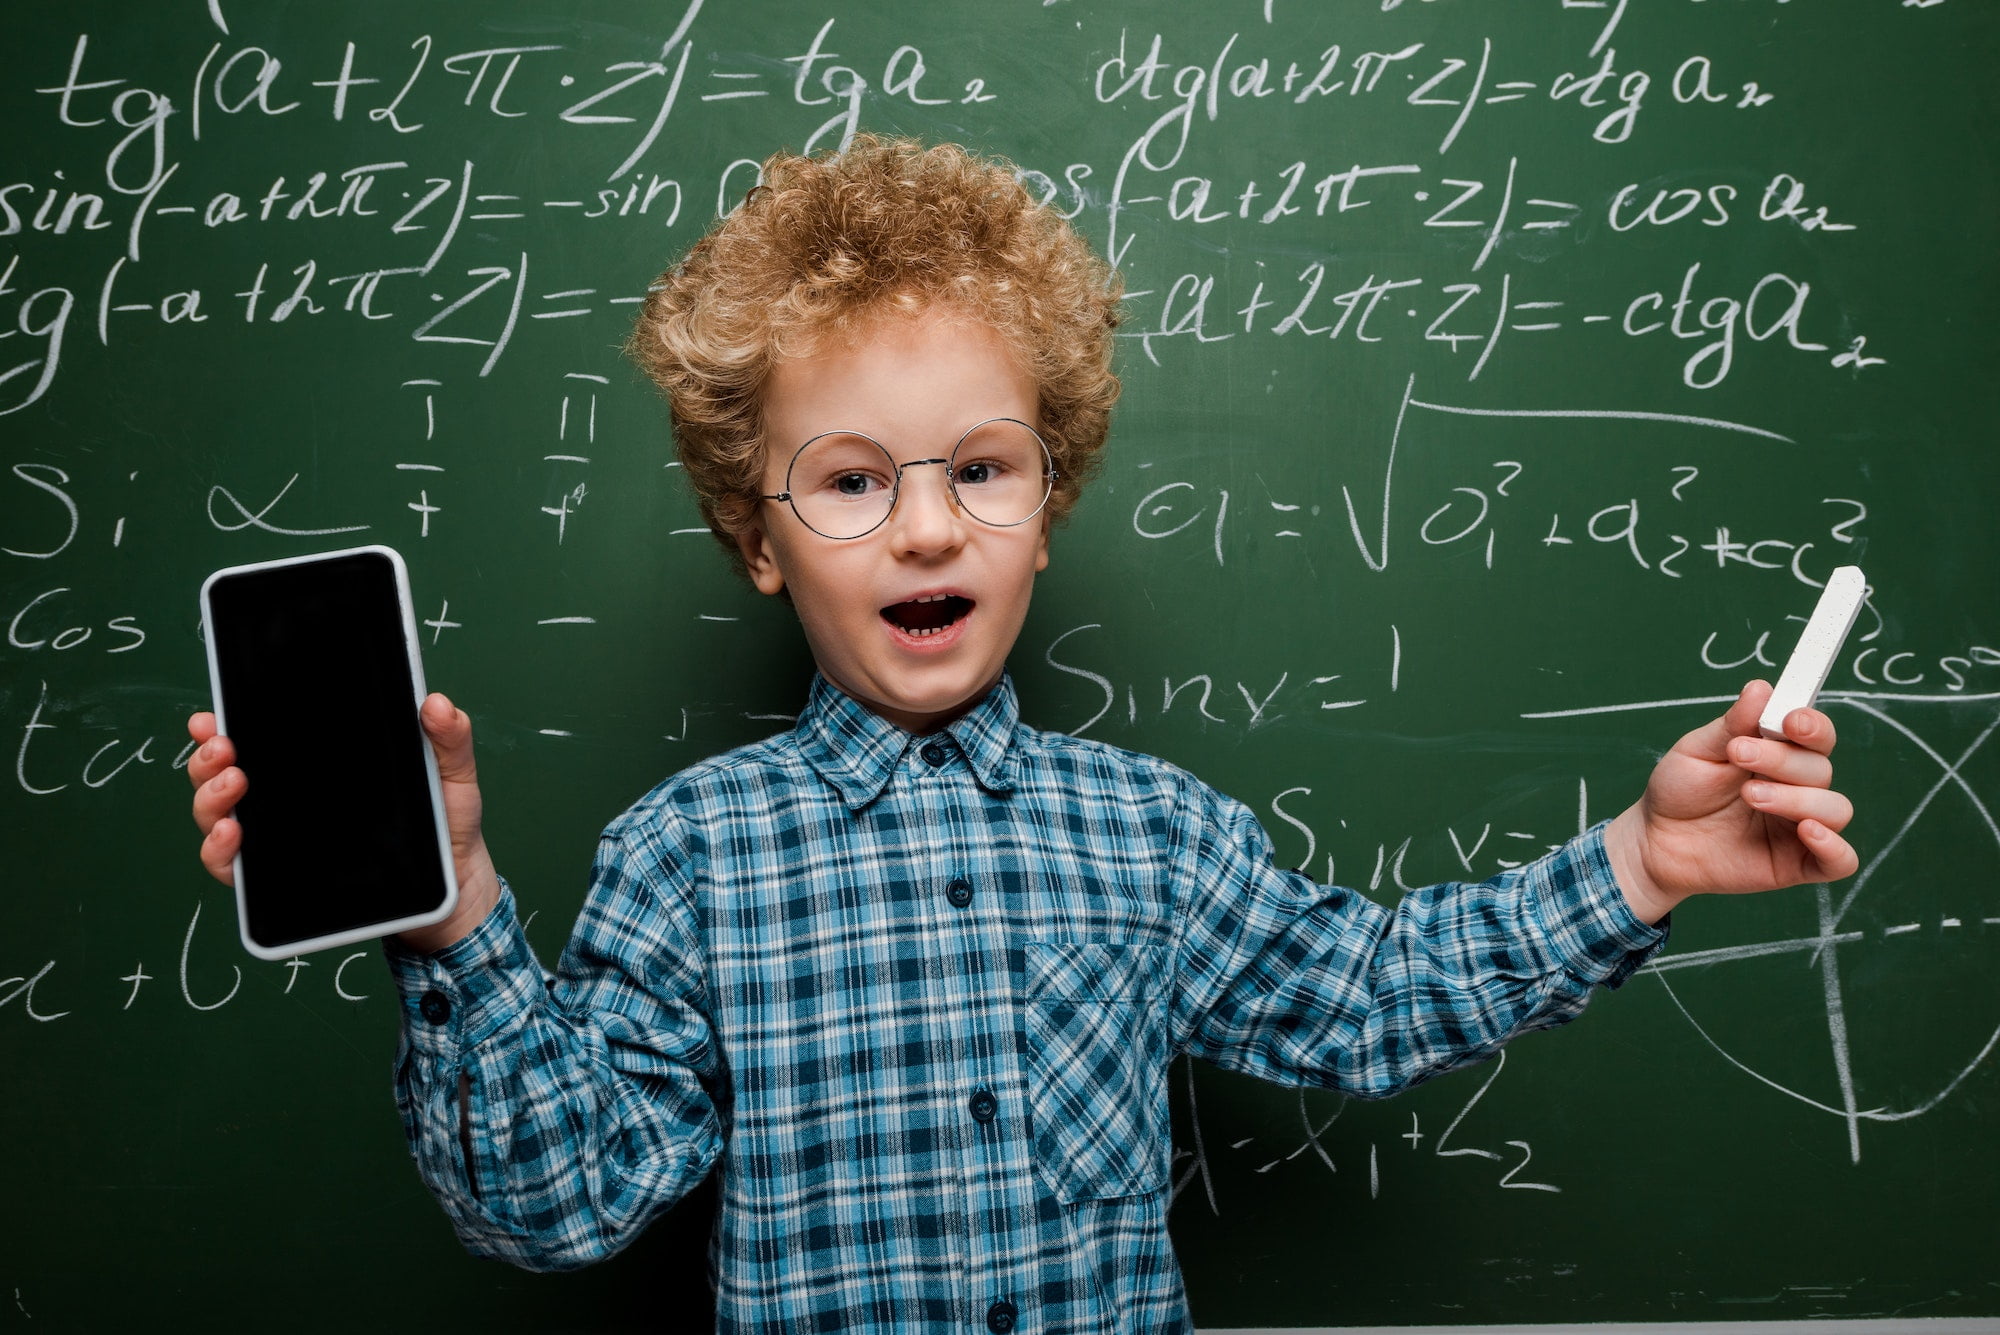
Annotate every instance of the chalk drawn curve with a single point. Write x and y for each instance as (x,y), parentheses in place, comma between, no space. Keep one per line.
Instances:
(1825,945)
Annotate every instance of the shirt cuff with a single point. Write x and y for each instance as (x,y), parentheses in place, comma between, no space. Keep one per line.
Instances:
(1584,915)
(456,998)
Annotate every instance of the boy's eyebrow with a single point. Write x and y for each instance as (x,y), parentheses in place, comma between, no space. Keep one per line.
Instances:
(955,433)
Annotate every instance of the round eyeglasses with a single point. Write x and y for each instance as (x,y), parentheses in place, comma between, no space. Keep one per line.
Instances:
(843,485)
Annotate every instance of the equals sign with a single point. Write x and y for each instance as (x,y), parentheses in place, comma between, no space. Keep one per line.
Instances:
(563,296)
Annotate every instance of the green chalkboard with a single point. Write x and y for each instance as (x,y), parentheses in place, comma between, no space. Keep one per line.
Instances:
(1499,379)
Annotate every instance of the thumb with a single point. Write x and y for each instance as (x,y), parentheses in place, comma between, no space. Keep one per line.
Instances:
(1743,715)
(1711,741)
(450,731)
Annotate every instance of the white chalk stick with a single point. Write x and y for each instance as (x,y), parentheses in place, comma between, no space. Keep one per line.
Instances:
(1819,644)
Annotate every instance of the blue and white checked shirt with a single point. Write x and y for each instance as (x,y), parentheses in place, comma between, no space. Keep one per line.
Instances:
(917,997)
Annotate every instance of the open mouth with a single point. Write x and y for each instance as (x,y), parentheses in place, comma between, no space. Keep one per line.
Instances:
(928,615)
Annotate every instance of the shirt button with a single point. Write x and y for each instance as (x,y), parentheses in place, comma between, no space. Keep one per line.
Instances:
(436,1007)
(935,754)
(1000,1317)
(983,1105)
(959,892)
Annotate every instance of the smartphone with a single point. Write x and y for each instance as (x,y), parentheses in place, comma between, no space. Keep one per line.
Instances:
(314,666)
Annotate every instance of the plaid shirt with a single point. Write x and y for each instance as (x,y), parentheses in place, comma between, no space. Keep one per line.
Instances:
(917,997)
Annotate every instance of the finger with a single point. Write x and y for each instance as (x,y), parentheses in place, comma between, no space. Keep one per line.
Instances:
(215,799)
(1781,761)
(450,731)
(1809,727)
(1711,740)
(218,850)
(1836,857)
(1794,803)
(210,759)
(201,725)
(1741,720)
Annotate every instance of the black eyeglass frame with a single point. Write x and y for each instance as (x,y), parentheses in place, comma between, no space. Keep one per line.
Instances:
(1049,476)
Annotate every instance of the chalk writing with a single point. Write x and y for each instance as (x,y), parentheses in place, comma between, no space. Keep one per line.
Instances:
(1496,395)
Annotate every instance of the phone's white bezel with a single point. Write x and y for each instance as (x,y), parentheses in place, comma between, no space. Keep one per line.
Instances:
(373,930)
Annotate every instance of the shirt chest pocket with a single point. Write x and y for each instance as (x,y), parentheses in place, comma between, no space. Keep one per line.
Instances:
(1097,1055)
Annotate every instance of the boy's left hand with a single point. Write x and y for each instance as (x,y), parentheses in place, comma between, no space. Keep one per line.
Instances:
(1728,811)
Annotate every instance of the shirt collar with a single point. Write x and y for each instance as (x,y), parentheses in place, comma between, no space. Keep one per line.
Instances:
(858,751)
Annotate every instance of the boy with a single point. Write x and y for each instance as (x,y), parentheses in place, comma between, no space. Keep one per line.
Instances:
(912,973)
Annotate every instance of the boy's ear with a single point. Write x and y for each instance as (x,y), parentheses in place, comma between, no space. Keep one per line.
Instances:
(760,558)
(1042,552)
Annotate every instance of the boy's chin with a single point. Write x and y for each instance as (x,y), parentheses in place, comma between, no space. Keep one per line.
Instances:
(922,710)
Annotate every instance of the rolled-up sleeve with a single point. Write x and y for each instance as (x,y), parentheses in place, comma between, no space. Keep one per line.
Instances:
(1300,983)
(587,1095)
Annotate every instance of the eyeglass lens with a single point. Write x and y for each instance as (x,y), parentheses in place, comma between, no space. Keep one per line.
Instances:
(843,485)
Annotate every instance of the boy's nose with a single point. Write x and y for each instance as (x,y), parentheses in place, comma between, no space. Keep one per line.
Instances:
(927,517)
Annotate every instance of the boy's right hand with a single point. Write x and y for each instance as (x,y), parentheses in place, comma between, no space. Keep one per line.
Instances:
(219,785)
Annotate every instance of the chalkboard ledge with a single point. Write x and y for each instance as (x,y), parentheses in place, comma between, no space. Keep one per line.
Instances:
(1972,1325)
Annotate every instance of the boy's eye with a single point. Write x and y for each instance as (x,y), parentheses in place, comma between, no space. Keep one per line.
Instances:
(843,467)
(978,473)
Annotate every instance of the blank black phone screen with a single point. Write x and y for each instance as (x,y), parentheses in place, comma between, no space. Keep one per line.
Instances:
(318,699)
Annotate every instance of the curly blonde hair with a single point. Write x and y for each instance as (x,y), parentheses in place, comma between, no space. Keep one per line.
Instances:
(823,245)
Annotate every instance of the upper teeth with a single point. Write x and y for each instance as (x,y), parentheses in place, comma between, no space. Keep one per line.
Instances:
(931,598)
